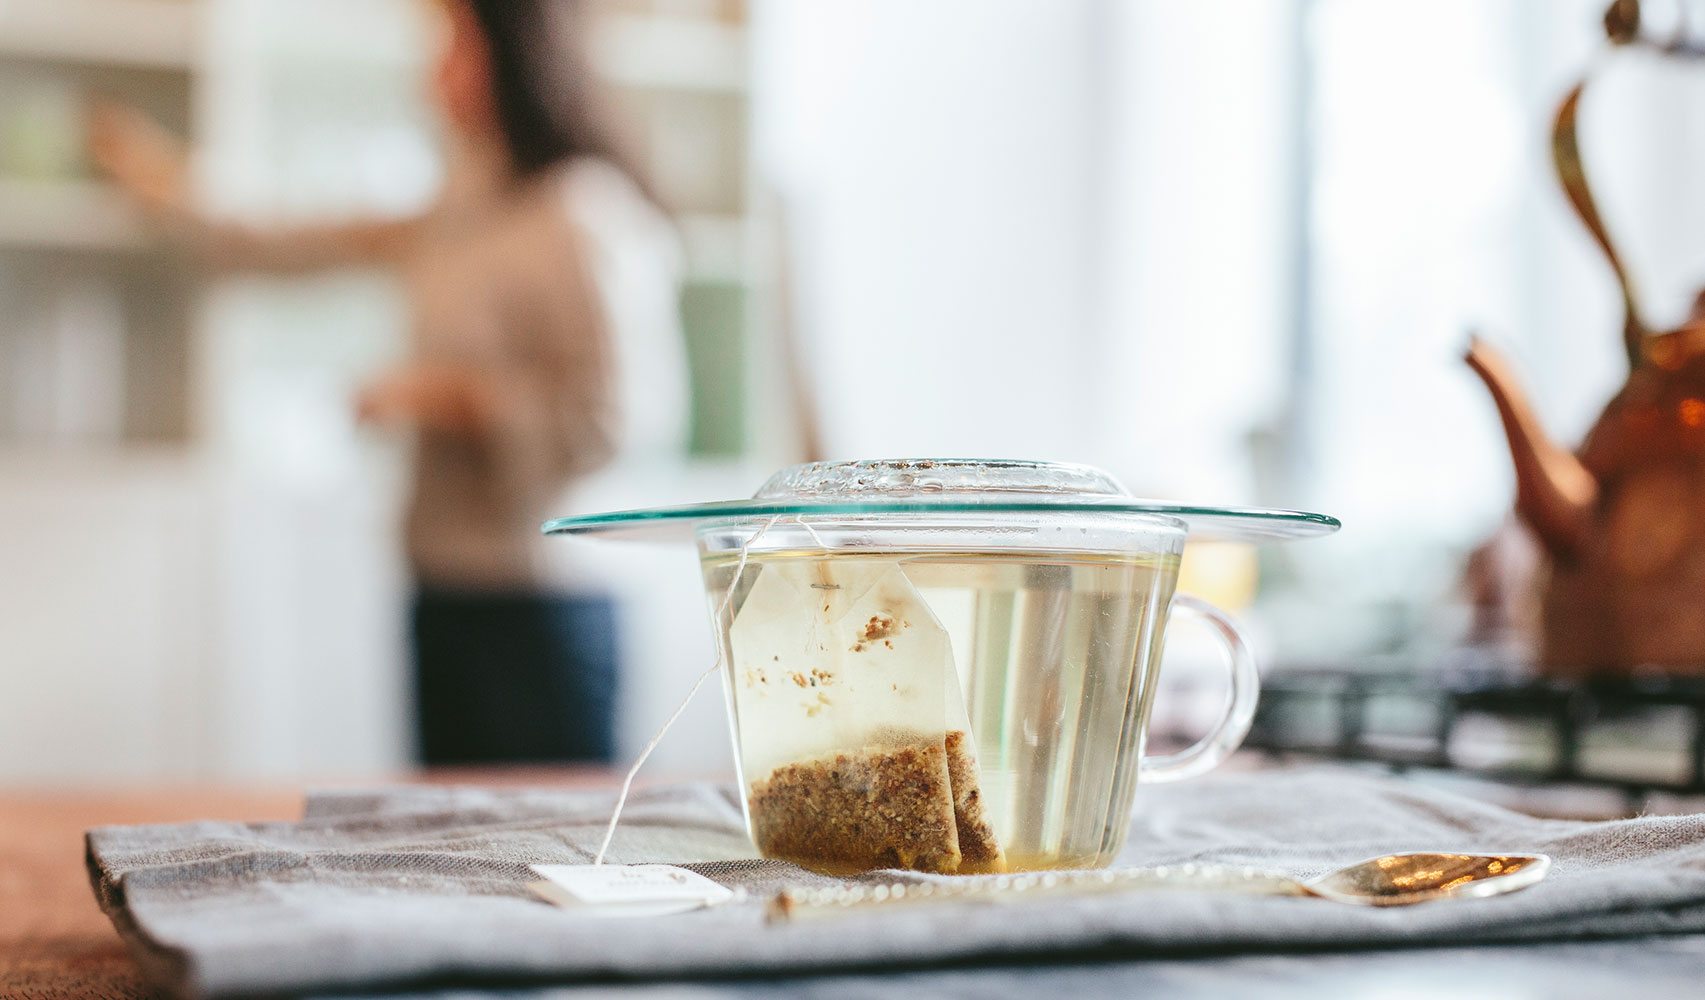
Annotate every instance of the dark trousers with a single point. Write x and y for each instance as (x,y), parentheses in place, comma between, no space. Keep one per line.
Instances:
(507,677)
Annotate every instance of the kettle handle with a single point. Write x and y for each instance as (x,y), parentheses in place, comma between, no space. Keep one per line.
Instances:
(1572,174)
(1622,23)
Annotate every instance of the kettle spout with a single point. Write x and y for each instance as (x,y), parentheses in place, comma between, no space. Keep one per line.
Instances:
(1555,492)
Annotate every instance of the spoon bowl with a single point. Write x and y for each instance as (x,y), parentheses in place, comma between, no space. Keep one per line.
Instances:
(1401,879)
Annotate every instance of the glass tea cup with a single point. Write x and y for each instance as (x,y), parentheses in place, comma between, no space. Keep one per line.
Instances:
(950,665)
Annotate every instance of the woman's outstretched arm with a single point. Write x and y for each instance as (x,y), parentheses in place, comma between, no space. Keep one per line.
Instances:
(152,167)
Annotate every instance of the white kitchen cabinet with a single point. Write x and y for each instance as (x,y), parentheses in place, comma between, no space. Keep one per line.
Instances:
(103,616)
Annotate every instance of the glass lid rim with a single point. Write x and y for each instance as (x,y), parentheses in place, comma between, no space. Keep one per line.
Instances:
(1302,523)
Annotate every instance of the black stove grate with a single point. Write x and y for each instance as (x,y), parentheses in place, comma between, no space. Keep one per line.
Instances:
(1640,736)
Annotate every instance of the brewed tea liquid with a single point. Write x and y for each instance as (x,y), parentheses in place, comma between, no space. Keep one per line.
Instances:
(1056,667)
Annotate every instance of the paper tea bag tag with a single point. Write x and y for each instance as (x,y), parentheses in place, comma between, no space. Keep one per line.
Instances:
(831,654)
(628,890)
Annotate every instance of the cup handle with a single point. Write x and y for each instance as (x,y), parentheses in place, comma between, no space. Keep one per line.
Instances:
(1227,734)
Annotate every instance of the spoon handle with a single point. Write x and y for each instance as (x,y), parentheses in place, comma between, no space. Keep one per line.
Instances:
(797,904)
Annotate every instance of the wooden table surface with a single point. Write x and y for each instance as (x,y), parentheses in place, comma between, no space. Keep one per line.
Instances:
(54,940)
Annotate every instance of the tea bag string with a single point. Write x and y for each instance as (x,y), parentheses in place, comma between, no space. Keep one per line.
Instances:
(722,608)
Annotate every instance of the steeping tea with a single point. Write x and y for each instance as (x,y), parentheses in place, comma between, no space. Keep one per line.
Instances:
(946,712)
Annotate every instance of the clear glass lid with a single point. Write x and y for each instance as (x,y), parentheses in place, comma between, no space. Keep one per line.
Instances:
(873,487)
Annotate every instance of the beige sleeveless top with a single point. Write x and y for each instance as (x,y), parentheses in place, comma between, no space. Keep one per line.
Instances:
(565,290)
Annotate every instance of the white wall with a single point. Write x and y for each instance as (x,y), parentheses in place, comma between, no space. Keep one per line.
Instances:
(1056,230)
(936,161)
(1197,246)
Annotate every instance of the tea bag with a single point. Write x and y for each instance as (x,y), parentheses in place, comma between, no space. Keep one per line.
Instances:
(854,732)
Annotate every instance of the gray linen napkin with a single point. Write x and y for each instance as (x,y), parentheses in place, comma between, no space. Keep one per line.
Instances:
(416,886)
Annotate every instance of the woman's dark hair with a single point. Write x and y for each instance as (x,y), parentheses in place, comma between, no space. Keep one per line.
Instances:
(549,107)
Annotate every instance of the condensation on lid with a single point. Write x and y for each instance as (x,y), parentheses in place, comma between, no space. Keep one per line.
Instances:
(943,478)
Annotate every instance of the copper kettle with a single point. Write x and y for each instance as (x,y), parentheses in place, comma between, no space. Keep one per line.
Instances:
(1622,519)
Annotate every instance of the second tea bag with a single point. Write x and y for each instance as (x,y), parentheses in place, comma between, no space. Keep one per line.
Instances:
(854,734)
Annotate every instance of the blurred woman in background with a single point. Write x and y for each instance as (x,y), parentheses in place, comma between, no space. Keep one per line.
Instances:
(546,339)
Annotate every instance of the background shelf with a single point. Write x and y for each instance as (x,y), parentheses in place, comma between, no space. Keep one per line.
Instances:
(145,34)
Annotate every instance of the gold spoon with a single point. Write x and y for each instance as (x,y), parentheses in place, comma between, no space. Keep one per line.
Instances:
(1388,880)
